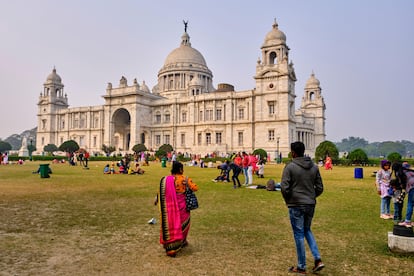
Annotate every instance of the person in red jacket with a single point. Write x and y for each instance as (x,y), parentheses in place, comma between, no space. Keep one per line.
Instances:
(245,165)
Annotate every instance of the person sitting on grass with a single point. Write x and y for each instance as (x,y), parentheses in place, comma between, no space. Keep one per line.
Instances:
(137,170)
(107,170)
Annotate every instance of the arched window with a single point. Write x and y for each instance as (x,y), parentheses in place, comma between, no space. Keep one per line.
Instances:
(272,58)
(311,95)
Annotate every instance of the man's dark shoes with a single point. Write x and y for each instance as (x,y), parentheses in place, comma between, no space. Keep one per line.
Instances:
(297,270)
(318,266)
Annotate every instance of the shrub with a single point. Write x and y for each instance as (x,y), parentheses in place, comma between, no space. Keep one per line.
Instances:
(326,148)
(394,157)
(166,148)
(262,153)
(69,146)
(139,148)
(358,156)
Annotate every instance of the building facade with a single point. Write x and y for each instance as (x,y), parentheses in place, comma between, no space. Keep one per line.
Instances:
(185,110)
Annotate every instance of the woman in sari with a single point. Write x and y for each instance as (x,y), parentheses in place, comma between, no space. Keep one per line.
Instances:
(328,163)
(175,219)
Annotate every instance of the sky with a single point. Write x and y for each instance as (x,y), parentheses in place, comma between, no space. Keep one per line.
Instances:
(362,52)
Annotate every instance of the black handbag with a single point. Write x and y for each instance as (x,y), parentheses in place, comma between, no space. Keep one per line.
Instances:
(191,201)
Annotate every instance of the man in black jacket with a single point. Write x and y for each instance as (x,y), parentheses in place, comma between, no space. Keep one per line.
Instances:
(301,184)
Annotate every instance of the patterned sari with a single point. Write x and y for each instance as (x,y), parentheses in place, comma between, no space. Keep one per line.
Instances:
(175,220)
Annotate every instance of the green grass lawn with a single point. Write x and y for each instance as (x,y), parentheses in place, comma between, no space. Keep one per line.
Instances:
(81,222)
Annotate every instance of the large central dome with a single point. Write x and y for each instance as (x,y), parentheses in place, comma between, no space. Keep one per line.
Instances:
(185,54)
(184,68)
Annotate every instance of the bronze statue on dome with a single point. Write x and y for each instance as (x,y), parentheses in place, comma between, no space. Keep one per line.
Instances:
(185,25)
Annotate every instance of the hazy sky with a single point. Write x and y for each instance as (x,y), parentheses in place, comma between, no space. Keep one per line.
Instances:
(361,51)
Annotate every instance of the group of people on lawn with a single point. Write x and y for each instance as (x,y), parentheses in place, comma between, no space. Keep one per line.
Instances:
(395,182)
(249,164)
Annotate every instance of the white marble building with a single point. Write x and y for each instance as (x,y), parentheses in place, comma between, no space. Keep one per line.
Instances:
(185,110)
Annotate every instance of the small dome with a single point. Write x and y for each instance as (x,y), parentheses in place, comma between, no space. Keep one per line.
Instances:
(145,87)
(185,54)
(53,77)
(312,81)
(275,36)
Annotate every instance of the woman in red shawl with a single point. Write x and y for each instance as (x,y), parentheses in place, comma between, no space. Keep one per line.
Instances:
(175,219)
(328,163)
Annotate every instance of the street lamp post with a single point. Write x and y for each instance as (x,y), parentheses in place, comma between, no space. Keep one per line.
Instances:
(30,150)
(277,150)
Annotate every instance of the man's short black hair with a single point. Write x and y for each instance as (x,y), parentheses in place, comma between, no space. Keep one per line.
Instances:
(298,148)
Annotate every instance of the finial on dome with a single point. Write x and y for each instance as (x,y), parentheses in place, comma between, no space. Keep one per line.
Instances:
(185,25)
(275,25)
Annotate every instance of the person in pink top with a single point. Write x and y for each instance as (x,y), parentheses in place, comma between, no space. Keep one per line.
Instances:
(383,178)
(251,168)
(245,165)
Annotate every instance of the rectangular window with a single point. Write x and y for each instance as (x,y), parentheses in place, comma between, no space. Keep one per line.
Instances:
(271,135)
(81,141)
(271,108)
(199,139)
(166,139)
(158,118)
(208,138)
(200,117)
(182,139)
(240,138)
(184,117)
(94,141)
(241,114)
(82,123)
(209,115)
(61,140)
(167,118)
(218,114)
(218,138)
(43,141)
(158,139)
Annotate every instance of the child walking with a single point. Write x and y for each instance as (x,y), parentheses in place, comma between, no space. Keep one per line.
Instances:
(383,178)
(260,169)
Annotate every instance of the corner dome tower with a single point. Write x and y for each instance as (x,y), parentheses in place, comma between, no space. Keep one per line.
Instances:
(181,66)
(275,36)
(312,82)
(53,78)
